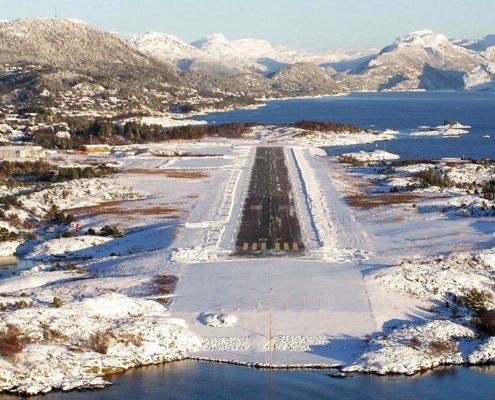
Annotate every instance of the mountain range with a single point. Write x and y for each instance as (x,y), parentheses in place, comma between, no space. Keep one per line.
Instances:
(58,54)
(421,60)
(215,53)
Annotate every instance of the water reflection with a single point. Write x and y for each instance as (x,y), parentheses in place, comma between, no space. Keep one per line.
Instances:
(194,380)
(12,265)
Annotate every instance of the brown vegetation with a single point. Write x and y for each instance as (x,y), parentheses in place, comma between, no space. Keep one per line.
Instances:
(443,347)
(484,321)
(351,160)
(12,342)
(112,208)
(367,201)
(101,341)
(475,299)
(169,173)
(415,343)
(164,285)
(334,127)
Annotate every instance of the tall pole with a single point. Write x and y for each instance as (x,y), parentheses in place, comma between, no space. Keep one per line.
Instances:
(270,333)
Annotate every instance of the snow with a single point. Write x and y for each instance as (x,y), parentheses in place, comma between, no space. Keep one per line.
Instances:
(376,155)
(296,136)
(424,38)
(453,129)
(481,78)
(220,320)
(243,54)
(372,292)
(167,120)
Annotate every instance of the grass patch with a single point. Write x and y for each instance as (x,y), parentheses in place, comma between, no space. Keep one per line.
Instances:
(164,285)
(367,201)
(169,173)
(114,208)
(12,342)
(101,341)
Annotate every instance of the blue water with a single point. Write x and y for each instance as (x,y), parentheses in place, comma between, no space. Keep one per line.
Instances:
(193,380)
(404,112)
(13,265)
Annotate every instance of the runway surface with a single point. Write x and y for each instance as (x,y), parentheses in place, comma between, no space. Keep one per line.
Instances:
(269,222)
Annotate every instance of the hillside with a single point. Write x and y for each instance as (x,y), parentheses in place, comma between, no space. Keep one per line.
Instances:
(59,53)
(303,78)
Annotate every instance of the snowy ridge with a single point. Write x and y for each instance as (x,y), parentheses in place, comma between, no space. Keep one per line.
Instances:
(481,78)
(216,52)
(424,38)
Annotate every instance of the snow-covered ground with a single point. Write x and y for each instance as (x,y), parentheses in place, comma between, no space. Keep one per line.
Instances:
(377,155)
(449,129)
(375,290)
(295,136)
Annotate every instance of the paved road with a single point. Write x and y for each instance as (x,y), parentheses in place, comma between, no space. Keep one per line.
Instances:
(269,220)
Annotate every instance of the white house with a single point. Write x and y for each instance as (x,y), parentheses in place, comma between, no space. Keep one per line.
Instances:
(21,152)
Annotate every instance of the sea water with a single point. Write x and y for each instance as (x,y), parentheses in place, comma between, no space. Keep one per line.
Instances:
(188,380)
(404,112)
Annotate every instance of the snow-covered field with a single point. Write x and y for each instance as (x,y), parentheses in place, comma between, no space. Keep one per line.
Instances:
(377,289)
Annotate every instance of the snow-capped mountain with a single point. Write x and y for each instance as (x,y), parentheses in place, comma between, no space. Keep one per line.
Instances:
(419,60)
(61,53)
(170,49)
(263,55)
(477,45)
(216,53)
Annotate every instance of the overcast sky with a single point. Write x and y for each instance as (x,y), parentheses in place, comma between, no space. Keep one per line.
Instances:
(310,24)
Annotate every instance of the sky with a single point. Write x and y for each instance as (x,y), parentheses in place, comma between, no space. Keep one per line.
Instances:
(309,24)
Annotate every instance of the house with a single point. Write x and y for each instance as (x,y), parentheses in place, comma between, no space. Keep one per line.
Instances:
(21,152)
(452,162)
(63,135)
(96,148)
